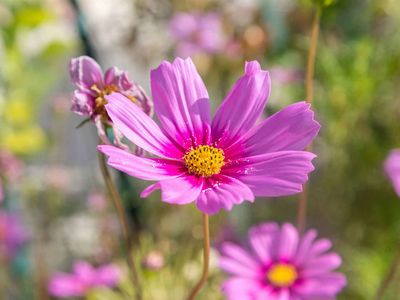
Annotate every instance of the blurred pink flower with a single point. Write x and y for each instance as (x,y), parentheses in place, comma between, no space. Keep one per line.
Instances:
(281,266)
(282,75)
(83,279)
(197,32)
(392,168)
(10,166)
(154,260)
(12,234)
(97,201)
(220,163)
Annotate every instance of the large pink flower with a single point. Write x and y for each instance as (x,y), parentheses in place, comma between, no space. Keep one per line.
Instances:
(83,279)
(218,163)
(392,169)
(281,266)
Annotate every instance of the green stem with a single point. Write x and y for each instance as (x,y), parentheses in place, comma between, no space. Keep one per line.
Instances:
(206,259)
(309,85)
(117,202)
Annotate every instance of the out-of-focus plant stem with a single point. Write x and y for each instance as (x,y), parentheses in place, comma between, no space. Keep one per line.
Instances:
(389,276)
(309,84)
(206,258)
(117,202)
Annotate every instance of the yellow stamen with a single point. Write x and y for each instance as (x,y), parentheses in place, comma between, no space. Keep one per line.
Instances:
(100,99)
(204,160)
(282,275)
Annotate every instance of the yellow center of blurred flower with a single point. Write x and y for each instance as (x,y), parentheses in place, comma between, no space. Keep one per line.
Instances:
(204,160)
(282,275)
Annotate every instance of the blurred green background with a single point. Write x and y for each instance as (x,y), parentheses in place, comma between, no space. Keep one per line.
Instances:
(357,88)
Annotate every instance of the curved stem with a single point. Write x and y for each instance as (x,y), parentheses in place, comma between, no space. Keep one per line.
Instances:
(206,258)
(312,52)
(117,202)
(389,276)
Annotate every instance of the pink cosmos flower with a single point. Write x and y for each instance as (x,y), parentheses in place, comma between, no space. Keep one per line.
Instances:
(92,88)
(197,32)
(282,265)
(219,163)
(392,168)
(83,279)
(12,234)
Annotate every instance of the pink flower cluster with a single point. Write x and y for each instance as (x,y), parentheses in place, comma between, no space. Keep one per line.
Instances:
(83,279)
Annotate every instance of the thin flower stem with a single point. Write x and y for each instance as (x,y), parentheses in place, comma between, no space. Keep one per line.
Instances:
(309,83)
(117,202)
(389,276)
(206,258)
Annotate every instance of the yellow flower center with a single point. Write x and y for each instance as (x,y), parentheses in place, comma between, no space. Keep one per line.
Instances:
(204,160)
(282,275)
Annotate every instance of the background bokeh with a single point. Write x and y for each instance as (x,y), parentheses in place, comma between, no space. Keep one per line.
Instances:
(55,187)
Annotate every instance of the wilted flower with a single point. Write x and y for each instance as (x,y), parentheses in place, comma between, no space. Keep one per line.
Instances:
(83,279)
(392,168)
(92,88)
(281,265)
(12,234)
(220,163)
(197,32)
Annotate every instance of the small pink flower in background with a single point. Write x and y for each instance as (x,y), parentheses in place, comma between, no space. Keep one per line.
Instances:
(197,32)
(10,166)
(154,260)
(392,168)
(282,75)
(97,201)
(12,234)
(282,265)
(83,279)
(215,163)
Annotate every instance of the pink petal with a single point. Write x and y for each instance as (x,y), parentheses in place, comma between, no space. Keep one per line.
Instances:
(180,190)
(322,287)
(242,106)
(305,245)
(85,72)
(85,272)
(263,239)
(139,127)
(289,239)
(322,264)
(120,79)
(392,168)
(108,275)
(140,167)
(237,253)
(235,267)
(65,285)
(237,288)
(82,103)
(292,128)
(223,192)
(320,246)
(274,174)
(181,102)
